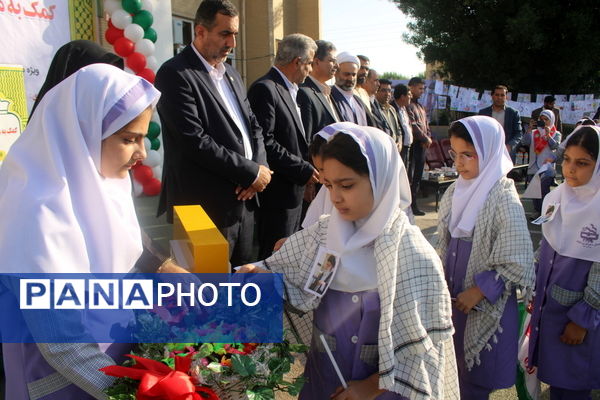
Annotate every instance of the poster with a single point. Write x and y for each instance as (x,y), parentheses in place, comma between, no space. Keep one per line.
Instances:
(32,31)
(13,106)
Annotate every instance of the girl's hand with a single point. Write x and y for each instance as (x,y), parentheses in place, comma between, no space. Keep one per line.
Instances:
(366,389)
(465,301)
(279,244)
(251,269)
(573,334)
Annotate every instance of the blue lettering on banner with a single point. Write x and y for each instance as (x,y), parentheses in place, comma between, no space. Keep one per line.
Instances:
(142,308)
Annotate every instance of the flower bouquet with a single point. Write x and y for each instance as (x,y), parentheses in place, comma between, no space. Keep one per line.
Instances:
(215,371)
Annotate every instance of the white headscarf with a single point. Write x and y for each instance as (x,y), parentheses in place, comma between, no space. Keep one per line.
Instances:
(494,163)
(58,213)
(321,204)
(575,228)
(550,115)
(350,239)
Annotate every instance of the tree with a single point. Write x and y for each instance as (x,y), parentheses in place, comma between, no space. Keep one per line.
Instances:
(394,76)
(537,46)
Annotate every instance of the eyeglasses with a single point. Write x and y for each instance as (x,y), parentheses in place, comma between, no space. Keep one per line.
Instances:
(464,156)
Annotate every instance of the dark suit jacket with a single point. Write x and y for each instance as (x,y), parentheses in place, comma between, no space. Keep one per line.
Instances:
(204,155)
(315,109)
(512,125)
(285,142)
(346,113)
(380,120)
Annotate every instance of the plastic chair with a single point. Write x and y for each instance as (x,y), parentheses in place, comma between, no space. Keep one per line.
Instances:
(445,145)
(434,156)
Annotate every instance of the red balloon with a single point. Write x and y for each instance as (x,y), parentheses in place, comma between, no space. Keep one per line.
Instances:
(152,188)
(110,24)
(136,62)
(147,74)
(143,174)
(113,34)
(124,47)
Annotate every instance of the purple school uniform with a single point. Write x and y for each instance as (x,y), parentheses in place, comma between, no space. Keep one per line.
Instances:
(350,322)
(560,284)
(498,365)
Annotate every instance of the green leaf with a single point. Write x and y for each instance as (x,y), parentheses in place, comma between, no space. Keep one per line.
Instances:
(260,393)
(215,367)
(205,350)
(243,365)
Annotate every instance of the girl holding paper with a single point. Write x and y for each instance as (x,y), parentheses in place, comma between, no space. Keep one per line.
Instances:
(487,254)
(565,324)
(543,142)
(386,315)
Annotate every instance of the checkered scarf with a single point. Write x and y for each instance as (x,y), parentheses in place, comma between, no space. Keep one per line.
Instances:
(416,355)
(501,243)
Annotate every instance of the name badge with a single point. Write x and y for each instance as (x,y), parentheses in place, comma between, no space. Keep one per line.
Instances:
(322,272)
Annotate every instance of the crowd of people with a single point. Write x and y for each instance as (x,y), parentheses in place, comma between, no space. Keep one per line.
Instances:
(292,168)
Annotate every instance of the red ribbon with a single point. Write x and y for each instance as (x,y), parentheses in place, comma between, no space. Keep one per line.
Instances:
(158,381)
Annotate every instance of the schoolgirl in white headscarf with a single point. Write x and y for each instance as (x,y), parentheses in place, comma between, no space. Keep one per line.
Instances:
(386,315)
(487,254)
(565,323)
(66,207)
(321,204)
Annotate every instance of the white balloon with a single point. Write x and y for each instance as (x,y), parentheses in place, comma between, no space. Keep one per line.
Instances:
(148,5)
(147,144)
(145,46)
(152,63)
(138,189)
(134,32)
(110,6)
(157,172)
(153,158)
(120,18)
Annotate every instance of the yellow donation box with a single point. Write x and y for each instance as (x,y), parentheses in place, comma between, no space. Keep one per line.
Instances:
(198,245)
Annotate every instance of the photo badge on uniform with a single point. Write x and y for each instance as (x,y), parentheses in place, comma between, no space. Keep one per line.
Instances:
(322,272)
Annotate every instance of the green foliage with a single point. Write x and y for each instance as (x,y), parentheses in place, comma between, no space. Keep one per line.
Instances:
(393,75)
(529,45)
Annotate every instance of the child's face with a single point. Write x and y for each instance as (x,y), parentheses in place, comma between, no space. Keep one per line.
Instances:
(578,166)
(123,149)
(318,163)
(465,158)
(351,193)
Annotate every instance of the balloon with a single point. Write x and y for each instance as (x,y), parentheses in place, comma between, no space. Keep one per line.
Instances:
(143,19)
(143,174)
(153,159)
(144,46)
(152,63)
(134,32)
(148,5)
(112,34)
(151,35)
(147,144)
(124,47)
(153,130)
(132,6)
(157,171)
(152,188)
(155,144)
(136,61)
(138,188)
(147,74)
(120,19)
(110,6)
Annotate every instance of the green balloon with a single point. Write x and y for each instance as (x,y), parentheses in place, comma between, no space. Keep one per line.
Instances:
(132,6)
(153,130)
(144,19)
(155,144)
(150,34)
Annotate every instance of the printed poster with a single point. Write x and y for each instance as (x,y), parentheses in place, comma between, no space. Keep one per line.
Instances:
(13,106)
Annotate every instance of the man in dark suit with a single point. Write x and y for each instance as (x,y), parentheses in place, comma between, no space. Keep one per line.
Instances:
(273,100)
(371,86)
(314,96)
(214,149)
(507,116)
(351,107)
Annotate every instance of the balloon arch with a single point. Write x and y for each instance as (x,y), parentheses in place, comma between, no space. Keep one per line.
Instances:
(131,34)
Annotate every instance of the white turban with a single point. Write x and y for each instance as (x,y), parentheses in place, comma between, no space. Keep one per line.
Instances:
(345,57)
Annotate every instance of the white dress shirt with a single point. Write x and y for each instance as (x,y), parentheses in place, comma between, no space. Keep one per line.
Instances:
(233,107)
